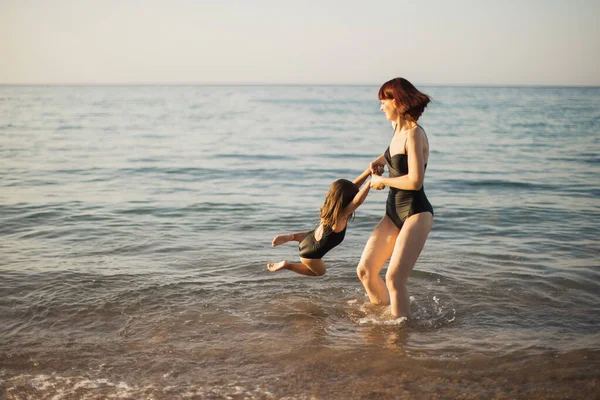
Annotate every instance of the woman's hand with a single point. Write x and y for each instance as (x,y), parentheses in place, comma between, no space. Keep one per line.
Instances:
(376,168)
(377,182)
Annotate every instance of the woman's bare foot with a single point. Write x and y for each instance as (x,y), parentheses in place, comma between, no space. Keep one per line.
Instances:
(281,239)
(277,266)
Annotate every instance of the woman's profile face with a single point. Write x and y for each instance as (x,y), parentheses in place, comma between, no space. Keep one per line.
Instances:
(389,109)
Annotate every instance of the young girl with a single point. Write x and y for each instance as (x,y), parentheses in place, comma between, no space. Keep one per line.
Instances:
(343,198)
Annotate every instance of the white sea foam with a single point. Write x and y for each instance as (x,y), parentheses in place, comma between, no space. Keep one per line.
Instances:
(377,321)
(55,387)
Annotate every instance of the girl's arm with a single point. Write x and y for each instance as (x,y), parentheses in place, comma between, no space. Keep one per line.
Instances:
(357,201)
(296,237)
(416,167)
(288,237)
(362,177)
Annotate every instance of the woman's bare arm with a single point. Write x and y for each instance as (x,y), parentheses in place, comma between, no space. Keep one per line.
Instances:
(377,165)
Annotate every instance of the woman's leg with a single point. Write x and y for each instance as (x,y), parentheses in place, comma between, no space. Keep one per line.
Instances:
(309,267)
(408,247)
(377,251)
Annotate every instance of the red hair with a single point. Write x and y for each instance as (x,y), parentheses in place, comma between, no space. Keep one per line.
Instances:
(408,100)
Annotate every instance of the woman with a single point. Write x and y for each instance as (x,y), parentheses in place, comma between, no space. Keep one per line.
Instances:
(401,233)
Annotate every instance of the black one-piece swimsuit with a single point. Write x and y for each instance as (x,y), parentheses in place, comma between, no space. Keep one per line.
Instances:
(400,203)
(310,247)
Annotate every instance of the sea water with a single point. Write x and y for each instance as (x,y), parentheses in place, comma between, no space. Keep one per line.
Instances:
(136,225)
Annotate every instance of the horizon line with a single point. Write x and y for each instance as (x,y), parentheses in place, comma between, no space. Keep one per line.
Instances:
(516,85)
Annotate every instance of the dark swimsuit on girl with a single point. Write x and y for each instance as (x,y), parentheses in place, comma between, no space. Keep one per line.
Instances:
(312,248)
(400,203)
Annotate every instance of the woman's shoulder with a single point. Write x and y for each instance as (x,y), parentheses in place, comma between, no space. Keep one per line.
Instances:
(417,131)
(417,134)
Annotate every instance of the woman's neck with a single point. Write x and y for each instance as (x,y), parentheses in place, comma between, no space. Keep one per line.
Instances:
(403,126)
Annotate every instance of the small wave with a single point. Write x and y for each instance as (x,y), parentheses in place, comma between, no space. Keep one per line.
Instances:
(69,127)
(346,172)
(229,207)
(595,159)
(537,125)
(172,173)
(325,111)
(502,184)
(79,171)
(32,183)
(144,160)
(293,101)
(261,157)
(345,155)
(186,171)
(306,139)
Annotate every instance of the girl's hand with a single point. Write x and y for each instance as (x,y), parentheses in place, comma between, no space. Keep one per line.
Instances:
(377,182)
(281,239)
(376,168)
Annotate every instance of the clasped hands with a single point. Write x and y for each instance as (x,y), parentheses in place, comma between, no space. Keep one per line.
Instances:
(376,178)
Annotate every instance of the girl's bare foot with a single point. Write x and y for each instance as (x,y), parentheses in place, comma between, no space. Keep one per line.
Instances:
(277,266)
(281,239)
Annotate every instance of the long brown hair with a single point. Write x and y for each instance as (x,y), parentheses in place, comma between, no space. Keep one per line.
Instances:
(341,193)
(408,100)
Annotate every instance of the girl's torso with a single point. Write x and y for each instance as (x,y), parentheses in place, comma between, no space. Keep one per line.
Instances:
(320,230)
(316,243)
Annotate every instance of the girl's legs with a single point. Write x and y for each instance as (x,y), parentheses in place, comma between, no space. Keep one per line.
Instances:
(377,251)
(407,249)
(309,267)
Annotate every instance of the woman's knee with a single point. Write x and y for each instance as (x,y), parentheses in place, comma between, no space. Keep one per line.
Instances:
(395,282)
(363,273)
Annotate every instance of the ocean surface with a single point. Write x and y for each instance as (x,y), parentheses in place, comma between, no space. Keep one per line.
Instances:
(136,225)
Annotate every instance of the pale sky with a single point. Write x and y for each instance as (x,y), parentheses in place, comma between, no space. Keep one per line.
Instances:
(446,42)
